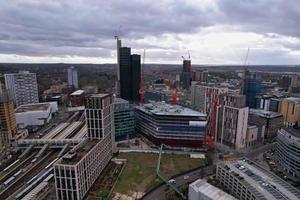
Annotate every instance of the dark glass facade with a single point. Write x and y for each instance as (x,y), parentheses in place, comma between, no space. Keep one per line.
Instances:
(136,76)
(130,75)
(252,89)
(125,73)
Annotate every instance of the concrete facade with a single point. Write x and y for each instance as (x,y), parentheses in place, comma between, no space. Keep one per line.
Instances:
(23,87)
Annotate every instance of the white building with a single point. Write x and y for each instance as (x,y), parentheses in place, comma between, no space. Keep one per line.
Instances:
(23,87)
(201,190)
(76,172)
(246,180)
(35,114)
(73,77)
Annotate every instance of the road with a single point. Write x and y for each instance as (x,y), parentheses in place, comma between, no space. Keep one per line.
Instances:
(159,193)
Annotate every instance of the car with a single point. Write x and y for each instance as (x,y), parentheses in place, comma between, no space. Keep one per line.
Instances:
(172,181)
(186,177)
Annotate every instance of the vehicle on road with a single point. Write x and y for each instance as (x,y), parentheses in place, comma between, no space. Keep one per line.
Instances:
(186,177)
(172,181)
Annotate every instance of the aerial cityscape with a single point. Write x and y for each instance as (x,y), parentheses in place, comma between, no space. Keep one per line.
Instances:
(168,100)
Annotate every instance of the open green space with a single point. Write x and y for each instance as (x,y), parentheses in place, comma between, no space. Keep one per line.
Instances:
(139,174)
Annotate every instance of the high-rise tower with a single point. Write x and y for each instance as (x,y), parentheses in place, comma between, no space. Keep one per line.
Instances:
(23,87)
(73,77)
(186,74)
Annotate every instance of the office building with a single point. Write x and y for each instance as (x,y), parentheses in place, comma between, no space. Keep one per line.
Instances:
(201,190)
(252,89)
(267,122)
(76,171)
(125,73)
(119,45)
(124,120)
(232,121)
(172,125)
(73,77)
(8,127)
(186,74)
(246,180)
(153,95)
(99,115)
(77,98)
(23,87)
(290,109)
(203,96)
(130,75)
(135,77)
(268,103)
(287,152)
(199,76)
(253,139)
(35,115)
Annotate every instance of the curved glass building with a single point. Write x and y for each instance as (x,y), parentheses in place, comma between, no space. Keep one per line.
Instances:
(288,151)
(172,125)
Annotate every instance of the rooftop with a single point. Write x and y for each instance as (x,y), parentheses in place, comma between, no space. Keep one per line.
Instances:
(120,101)
(77,92)
(78,152)
(99,95)
(291,133)
(210,191)
(33,107)
(264,113)
(296,100)
(260,181)
(161,108)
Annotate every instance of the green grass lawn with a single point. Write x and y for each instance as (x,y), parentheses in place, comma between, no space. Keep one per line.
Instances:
(139,174)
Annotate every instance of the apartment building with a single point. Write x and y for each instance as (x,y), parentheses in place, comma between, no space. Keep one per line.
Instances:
(23,87)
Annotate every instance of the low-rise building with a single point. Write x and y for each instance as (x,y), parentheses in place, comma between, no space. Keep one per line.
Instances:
(77,98)
(246,180)
(201,190)
(290,109)
(124,119)
(288,151)
(268,122)
(35,115)
(172,125)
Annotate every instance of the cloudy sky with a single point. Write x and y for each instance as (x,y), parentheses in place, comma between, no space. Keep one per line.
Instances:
(213,31)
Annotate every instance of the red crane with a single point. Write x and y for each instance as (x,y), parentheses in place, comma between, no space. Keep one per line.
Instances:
(211,135)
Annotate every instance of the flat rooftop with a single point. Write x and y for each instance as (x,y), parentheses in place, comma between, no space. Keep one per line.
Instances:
(77,92)
(291,133)
(212,192)
(79,151)
(33,107)
(161,108)
(263,183)
(264,113)
(99,95)
(120,101)
(296,100)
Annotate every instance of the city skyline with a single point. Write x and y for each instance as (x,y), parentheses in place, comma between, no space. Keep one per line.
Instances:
(214,32)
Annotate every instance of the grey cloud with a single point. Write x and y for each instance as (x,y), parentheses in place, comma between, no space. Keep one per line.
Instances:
(87,27)
(261,16)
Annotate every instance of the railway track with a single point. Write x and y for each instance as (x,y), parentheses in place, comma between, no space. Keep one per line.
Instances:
(40,165)
(16,168)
